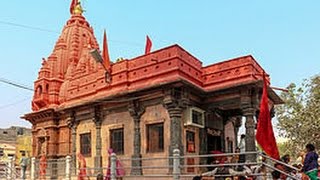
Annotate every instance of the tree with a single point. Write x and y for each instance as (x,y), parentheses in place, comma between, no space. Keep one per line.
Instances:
(299,116)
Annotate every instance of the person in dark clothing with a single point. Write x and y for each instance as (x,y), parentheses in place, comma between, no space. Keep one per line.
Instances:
(242,148)
(197,178)
(100,177)
(275,175)
(286,159)
(310,164)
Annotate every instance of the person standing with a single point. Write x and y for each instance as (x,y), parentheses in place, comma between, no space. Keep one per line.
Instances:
(23,164)
(242,147)
(310,164)
(82,175)
(43,167)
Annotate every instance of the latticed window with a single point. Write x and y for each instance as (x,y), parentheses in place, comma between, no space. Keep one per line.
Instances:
(155,137)
(85,144)
(117,141)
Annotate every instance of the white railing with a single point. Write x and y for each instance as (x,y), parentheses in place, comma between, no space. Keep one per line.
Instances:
(8,169)
(174,167)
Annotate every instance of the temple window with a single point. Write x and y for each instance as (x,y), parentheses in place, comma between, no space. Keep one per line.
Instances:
(190,141)
(39,90)
(85,144)
(155,137)
(47,88)
(117,140)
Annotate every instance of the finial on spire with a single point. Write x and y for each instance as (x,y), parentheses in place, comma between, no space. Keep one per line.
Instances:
(75,7)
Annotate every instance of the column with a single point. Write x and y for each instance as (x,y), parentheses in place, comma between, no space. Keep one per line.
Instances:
(175,114)
(250,133)
(175,101)
(73,124)
(248,107)
(98,117)
(136,110)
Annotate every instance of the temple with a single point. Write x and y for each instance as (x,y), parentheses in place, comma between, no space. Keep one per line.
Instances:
(154,103)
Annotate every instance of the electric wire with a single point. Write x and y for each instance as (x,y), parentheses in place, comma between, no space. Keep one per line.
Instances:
(6,81)
(56,32)
(27,27)
(14,103)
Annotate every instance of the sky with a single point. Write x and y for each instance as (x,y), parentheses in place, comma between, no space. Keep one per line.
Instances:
(283,36)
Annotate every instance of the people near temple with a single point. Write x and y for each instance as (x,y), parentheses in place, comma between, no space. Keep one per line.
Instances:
(119,168)
(310,164)
(286,159)
(295,173)
(23,164)
(99,177)
(261,169)
(242,147)
(43,167)
(276,175)
(82,165)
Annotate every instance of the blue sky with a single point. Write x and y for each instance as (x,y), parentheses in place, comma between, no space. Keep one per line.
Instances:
(283,36)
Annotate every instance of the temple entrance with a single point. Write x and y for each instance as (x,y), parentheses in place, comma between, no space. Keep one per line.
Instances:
(214,143)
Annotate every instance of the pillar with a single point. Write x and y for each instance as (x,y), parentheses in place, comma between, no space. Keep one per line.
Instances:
(136,110)
(73,124)
(250,133)
(98,117)
(248,107)
(175,101)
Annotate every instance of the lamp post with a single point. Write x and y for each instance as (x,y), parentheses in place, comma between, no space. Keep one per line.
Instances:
(98,58)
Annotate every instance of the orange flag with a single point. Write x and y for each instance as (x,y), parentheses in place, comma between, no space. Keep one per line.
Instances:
(73,5)
(105,52)
(265,136)
(148,45)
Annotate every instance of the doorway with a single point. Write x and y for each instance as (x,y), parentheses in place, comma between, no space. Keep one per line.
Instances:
(214,143)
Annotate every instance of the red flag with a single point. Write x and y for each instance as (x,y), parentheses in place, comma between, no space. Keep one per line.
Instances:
(73,5)
(265,136)
(105,52)
(148,45)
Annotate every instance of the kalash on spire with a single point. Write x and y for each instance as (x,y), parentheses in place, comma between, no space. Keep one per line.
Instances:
(75,7)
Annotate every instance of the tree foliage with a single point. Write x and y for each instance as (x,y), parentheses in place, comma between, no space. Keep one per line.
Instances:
(299,116)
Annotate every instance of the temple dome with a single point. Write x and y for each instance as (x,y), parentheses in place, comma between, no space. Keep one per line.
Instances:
(76,40)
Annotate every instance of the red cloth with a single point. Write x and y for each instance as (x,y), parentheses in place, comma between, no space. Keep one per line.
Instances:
(119,168)
(221,159)
(148,45)
(265,136)
(82,167)
(105,52)
(43,165)
(73,5)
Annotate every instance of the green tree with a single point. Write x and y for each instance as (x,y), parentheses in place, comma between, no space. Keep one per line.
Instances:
(299,116)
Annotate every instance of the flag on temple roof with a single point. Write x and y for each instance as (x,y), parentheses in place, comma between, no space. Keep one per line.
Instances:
(105,52)
(265,135)
(73,5)
(148,45)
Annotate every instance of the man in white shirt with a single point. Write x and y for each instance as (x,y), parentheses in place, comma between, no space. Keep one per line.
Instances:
(242,147)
